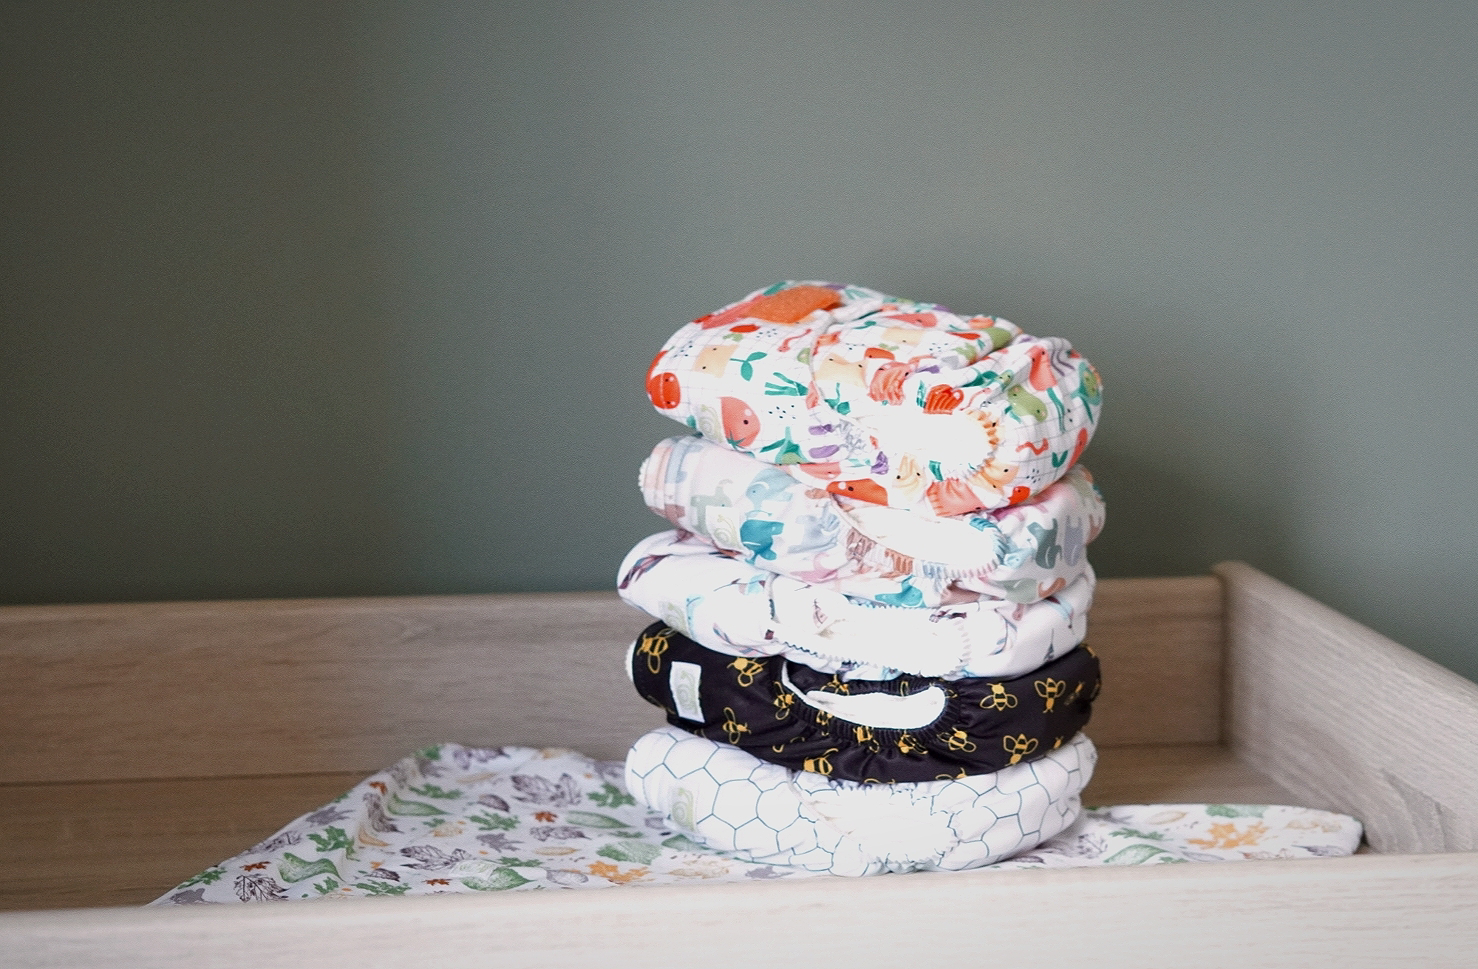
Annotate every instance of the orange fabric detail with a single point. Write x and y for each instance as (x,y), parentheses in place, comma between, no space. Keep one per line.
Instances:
(825,470)
(1042,376)
(861,489)
(741,423)
(794,304)
(953,497)
(942,399)
(665,391)
(887,383)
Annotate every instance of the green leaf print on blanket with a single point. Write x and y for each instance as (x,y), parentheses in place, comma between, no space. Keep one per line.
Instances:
(637,852)
(294,869)
(333,839)
(1138,855)
(589,819)
(499,880)
(1236,810)
(208,877)
(610,796)
(402,808)
(431,790)
(494,822)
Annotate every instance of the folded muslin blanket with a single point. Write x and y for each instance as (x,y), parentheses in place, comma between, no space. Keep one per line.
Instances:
(889,401)
(460,820)
(727,605)
(906,729)
(730,800)
(1022,553)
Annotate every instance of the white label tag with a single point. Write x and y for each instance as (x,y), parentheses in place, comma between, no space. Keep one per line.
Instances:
(683,681)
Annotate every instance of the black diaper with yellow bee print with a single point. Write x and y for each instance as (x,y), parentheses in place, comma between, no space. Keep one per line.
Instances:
(902,730)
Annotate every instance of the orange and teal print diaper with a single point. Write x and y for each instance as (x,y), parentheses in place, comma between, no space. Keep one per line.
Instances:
(882,400)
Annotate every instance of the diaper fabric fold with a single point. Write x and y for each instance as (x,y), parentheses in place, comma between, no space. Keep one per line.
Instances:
(872,608)
(730,800)
(879,399)
(722,602)
(903,730)
(1022,553)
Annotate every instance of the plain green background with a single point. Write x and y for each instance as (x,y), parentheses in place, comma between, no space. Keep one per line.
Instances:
(339,299)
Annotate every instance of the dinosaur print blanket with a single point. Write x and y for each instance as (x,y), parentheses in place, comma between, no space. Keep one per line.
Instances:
(454,819)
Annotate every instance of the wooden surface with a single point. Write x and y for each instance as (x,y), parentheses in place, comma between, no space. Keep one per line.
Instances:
(1353,913)
(1161,645)
(125,692)
(287,687)
(128,842)
(1324,711)
(1346,719)
(1185,774)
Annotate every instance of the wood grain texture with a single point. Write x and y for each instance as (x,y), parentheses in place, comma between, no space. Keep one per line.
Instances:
(1184,774)
(1161,645)
(128,842)
(123,692)
(1345,718)
(1363,911)
(284,687)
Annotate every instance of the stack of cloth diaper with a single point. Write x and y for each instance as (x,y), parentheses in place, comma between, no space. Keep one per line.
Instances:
(871,606)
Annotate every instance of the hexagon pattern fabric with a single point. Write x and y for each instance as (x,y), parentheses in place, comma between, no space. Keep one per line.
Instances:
(736,803)
(885,400)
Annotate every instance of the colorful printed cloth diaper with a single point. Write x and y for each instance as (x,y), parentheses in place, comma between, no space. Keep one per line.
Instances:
(877,731)
(889,401)
(727,605)
(732,801)
(1023,553)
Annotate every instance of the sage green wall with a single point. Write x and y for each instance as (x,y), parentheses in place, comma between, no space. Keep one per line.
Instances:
(327,299)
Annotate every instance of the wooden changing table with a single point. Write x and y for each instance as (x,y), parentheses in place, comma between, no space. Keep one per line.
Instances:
(132,734)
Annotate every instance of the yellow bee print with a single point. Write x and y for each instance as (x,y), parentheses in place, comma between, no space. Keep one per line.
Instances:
(784,703)
(958,740)
(837,686)
(1050,689)
(1018,747)
(733,729)
(653,646)
(952,777)
(864,736)
(747,669)
(999,699)
(909,744)
(819,765)
(823,717)
(1089,650)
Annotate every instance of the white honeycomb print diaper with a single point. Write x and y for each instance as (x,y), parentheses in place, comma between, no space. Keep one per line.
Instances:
(731,801)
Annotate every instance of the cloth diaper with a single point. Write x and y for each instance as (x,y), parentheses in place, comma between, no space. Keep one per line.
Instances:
(728,605)
(886,731)
(1022,553)
(730,800)
(883,400)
